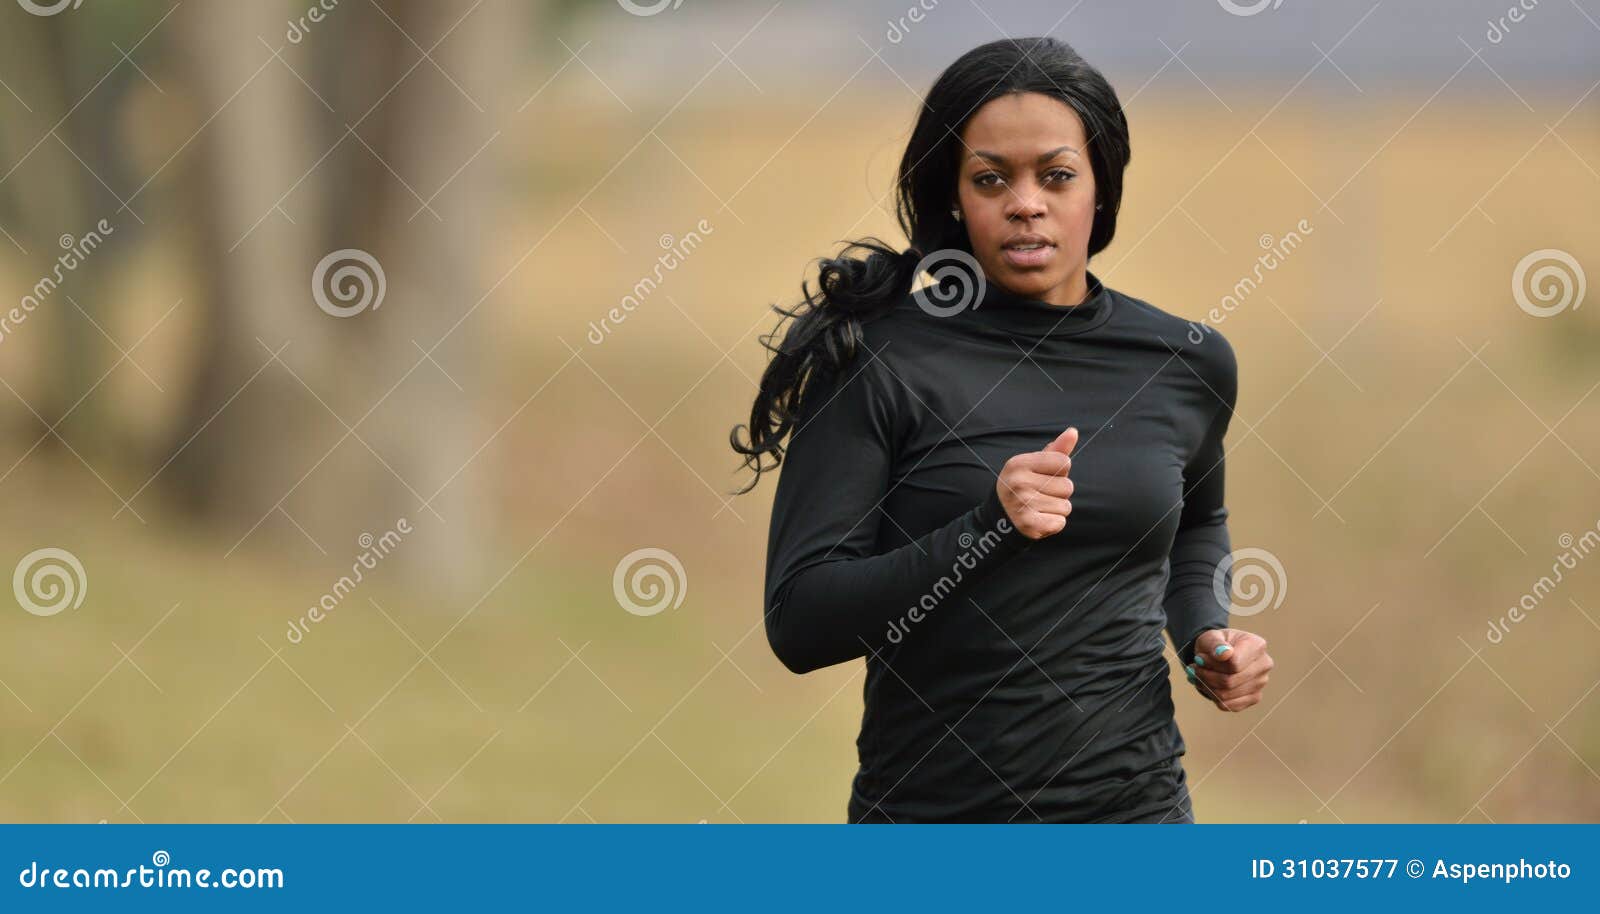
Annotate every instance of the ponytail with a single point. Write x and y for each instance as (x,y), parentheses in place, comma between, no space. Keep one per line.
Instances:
(824,331)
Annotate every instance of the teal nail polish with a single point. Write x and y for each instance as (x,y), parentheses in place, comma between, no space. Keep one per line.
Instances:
(1190,671)
(1222,649)
(1200,659)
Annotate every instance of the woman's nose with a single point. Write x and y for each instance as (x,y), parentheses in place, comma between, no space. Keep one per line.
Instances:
(1025,204)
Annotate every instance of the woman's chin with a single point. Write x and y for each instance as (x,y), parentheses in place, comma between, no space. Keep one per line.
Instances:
(1027,283)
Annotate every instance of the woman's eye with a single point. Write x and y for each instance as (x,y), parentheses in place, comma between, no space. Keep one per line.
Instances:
(990,179)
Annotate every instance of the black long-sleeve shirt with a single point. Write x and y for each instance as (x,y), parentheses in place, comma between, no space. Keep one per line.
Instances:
(1009,679)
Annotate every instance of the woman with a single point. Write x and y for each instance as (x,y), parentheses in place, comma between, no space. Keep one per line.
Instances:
(1001,488)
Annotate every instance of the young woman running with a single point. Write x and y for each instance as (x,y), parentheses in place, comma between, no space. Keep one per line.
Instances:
(1001,487)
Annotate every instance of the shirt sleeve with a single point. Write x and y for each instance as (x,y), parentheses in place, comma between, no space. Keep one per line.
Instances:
(1202,541)
(831,596)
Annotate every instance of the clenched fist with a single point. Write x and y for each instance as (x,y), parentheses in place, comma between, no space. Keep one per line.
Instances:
(1035,490)
(1230,667)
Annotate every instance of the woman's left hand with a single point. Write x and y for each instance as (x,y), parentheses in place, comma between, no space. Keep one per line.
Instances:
(1234,678)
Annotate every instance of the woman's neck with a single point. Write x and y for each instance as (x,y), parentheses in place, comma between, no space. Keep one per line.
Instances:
(1069,293)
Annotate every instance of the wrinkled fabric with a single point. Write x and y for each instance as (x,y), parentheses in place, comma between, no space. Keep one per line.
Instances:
(1009,679)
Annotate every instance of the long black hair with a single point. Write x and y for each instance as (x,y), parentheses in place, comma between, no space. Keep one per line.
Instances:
(850,290)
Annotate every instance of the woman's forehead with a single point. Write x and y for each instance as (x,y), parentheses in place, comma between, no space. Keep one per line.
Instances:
(1024,124)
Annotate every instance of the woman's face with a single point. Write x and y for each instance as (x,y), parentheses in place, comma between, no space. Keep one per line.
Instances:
(1026,193)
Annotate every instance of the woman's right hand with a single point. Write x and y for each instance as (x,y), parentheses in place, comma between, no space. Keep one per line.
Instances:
(1035,490)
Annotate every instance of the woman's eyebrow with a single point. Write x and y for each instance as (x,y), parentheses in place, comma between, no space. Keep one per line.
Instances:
(1043,157)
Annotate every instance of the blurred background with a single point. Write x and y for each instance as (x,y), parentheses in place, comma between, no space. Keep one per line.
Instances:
(369,366)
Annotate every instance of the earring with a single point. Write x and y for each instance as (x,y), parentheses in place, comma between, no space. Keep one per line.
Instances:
(955,214)
(1099,206)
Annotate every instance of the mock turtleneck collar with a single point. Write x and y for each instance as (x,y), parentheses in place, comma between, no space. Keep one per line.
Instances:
(1006,311)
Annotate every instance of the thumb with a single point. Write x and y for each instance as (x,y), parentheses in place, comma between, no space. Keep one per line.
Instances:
(1064,442)
(1214,648)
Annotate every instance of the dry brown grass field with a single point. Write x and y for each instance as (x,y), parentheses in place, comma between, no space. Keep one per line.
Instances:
(1409,444)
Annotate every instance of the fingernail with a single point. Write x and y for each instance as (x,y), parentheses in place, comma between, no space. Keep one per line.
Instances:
(1222,649)
(1190,671)
(1200,659)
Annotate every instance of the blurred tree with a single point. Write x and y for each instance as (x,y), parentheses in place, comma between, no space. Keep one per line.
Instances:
(61,163)
(354,139)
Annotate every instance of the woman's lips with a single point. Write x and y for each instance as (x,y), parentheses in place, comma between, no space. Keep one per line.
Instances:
(1024,258)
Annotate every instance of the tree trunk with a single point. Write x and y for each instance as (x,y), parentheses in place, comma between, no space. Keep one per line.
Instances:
(279,455)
